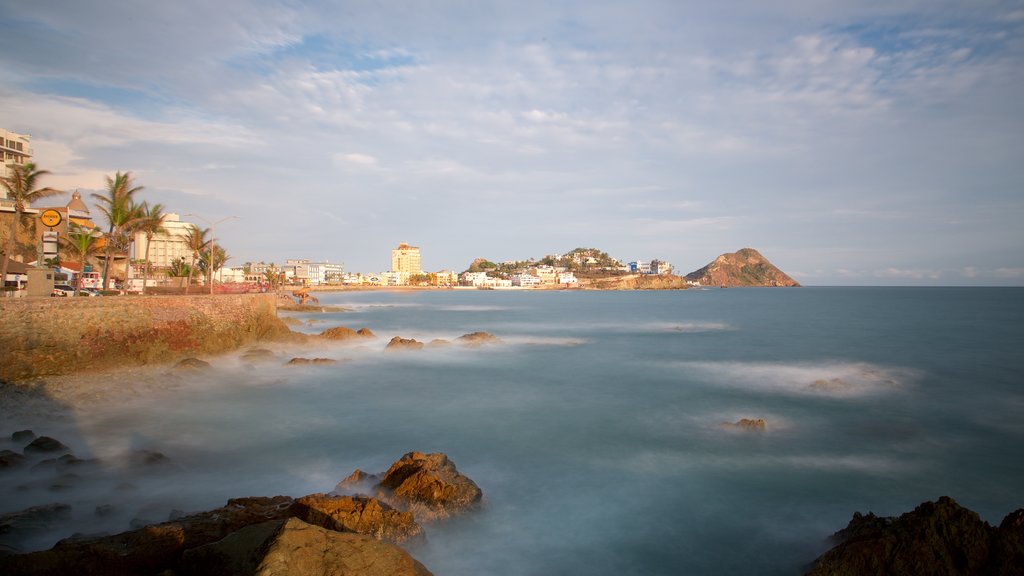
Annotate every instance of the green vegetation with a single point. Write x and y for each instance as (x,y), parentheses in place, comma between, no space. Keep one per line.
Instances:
(82,244)
(584,262)
(21,187)
(121,212)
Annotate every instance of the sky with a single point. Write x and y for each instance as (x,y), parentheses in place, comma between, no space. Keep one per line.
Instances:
(851,143)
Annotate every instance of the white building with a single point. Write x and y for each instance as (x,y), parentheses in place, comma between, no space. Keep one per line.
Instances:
(525,280)
(474,278)
(567,278)
(168,246)
(14,149)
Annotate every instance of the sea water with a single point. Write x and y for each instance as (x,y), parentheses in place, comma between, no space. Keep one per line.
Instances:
(598,429)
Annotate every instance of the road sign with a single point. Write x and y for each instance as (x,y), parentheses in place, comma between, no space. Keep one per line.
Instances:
(50,218)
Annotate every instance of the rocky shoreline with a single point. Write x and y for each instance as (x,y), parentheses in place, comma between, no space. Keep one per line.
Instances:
(346,531)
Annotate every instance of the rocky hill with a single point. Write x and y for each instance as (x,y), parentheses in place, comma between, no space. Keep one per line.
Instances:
(746,267)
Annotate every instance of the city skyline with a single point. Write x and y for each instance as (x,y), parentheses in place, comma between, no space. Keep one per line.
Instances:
(867,144)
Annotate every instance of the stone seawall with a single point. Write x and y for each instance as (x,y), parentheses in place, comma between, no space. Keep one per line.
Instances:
(49,336)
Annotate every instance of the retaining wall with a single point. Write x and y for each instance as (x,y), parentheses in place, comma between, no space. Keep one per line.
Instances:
(43,336)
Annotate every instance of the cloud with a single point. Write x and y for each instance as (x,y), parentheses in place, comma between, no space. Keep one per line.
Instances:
(355,158)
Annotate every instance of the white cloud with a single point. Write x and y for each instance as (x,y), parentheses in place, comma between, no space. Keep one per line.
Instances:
(355,158)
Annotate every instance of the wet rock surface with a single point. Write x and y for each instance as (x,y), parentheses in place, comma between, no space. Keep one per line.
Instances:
(399,343)
(358,514)
(938,538)
(478,339)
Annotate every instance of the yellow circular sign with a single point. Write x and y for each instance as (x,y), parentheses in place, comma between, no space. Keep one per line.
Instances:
(50,218)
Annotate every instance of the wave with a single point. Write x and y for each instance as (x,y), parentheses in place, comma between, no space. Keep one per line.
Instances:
(838,379)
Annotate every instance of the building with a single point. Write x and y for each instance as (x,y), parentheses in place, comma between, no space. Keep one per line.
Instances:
(406,260)
(474,278)
(525,280)
(168,246)
(660,267)
(547,274)
(567,278)
(14,149)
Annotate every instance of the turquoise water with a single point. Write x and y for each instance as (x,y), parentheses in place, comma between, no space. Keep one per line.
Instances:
(596,429)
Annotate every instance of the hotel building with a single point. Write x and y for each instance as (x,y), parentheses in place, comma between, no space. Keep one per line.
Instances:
(406,260)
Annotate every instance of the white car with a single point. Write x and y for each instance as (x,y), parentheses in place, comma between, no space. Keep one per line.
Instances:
(89,292)
(62,290)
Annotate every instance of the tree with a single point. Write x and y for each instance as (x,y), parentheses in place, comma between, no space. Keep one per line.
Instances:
(151,223)
(120,210)
(197,242)
(21,187)
(82,245)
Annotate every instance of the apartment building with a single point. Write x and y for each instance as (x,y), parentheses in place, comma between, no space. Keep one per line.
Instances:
(406,260)
(168,246)
(14,149)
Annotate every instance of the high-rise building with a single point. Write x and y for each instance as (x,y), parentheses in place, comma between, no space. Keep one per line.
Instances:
(13,150)
(406,259)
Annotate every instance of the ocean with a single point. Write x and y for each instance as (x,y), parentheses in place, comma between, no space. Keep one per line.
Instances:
(598,429)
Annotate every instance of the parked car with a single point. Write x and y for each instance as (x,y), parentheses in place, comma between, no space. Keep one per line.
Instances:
(89,292)
(62,290)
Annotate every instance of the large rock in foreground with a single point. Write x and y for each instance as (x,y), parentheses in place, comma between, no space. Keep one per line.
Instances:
(429,485)
(746,267)
(358,514)
(294,548)
(937,538)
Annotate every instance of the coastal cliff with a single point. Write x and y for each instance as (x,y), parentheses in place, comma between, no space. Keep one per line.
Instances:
(635,282)
(746,267)
(48,336)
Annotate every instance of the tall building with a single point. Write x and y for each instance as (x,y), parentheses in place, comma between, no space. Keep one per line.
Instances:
(13,150)
(406,259)
(168,246)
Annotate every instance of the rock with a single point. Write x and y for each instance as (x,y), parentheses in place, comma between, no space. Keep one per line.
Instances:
(291,321)
(358,481)
(358,514)
(9,459)
(148,550)
(745,267)
(478,339)
(45,444)
(399,343)
(343,333)
(147,458)
(192,364)
(438,343)
(832,385)
(23,436)
(259,355)
(104,510)
(936,538)
(429,485)
(36,519)
(312,361)
(294,548)
(747,424)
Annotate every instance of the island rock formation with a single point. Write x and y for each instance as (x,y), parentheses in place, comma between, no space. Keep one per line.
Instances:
(746,267)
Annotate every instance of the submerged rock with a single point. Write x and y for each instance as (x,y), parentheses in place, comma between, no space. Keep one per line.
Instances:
(312,361)
(259,355)
(15,525)
(438,343)
(832,385)
(22,436)
(192,364)
(478,339)
(343,333)
(10,459)
(937,538)
(399,343)
(757,425)
(45,444)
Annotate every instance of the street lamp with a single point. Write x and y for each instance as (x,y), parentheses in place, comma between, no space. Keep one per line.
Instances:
(213,244)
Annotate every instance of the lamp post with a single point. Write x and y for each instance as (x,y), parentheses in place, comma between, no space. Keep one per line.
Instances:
(213,244)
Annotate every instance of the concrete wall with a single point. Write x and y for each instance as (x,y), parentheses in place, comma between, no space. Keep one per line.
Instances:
(41,336)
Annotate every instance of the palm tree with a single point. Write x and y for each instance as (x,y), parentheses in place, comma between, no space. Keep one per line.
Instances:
(151,223)
(119,209)
(220,256)
(197,242)
(21,187)
(82,244)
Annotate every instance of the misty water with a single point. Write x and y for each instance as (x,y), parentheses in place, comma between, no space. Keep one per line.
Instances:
(595,429)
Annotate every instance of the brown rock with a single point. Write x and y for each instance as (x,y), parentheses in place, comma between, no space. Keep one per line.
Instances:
(16,525)
(745,267)
(10,459)
(23,436)
(428,484)
(438,343)
(757,425)
(148,550)
(937,538)
(293,547)
(192,364)
(358,514)
(259,355)
(832,385)
(312,361)
(478,339)
(343,333)
(358,481)
(399,343)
